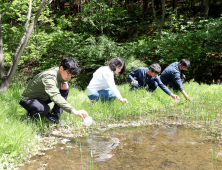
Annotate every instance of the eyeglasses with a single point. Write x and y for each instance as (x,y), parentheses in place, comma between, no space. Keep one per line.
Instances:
(69,74)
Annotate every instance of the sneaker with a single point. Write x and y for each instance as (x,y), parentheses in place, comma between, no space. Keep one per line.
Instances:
(52,118)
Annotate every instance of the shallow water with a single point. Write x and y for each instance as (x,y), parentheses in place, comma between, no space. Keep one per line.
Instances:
(136,148)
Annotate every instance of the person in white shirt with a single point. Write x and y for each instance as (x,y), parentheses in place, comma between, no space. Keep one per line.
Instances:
(102,86)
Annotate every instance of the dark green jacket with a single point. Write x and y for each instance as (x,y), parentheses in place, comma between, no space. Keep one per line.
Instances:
(46,85)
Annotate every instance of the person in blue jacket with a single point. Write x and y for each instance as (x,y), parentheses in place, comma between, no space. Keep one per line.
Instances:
(173,76)
(142,77)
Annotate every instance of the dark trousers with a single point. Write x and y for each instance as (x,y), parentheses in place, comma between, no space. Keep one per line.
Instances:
(151,86)
(172,84)
(34,106)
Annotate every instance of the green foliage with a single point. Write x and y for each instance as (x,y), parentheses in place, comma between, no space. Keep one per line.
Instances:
(99,17)
(58,34)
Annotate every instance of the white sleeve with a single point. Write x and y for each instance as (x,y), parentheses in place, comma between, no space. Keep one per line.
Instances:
(110,80)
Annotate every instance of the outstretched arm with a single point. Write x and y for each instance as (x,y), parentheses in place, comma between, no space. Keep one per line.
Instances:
(184,94)
(165,89)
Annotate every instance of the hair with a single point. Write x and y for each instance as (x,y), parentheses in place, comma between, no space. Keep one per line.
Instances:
(185,62)
(70,64)
(118,61)
(155,67)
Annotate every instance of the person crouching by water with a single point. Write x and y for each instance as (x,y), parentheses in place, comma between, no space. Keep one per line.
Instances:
(51,86)
(148,78)
(102,85)
(173,76)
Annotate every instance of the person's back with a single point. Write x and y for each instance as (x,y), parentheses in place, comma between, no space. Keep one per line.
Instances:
(100,80)
(36,87)
(170,72)
(173,76)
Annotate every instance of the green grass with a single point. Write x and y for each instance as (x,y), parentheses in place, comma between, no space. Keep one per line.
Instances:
(17,135)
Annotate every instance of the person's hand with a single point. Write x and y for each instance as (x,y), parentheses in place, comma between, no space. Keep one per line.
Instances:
(175,96)
(81,113)
(184,76)
(134,82)
(64,86)
(186,97)
(123,100)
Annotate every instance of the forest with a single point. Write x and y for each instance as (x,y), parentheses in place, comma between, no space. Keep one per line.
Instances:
(94,31)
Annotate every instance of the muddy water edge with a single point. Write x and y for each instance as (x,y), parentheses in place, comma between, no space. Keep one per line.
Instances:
(138,145)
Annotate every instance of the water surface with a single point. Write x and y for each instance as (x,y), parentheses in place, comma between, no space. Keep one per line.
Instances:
(136,148)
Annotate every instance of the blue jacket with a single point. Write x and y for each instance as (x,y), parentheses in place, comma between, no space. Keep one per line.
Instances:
(144,79)
(173,73)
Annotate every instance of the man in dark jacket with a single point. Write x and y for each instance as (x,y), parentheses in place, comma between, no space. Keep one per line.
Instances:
(51,86)
(173,76)
(149,77)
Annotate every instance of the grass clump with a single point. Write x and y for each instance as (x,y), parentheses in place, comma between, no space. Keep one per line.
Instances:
(15,134)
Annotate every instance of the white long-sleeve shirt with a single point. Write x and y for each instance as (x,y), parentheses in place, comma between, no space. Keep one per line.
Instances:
(103,78)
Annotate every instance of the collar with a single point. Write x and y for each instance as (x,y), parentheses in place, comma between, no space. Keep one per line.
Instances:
(59,77)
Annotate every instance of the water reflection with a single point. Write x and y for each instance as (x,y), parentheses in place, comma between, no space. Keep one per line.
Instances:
(102,147)
(150,147)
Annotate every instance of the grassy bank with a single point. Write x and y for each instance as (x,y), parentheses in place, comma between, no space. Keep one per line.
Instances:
(17,135)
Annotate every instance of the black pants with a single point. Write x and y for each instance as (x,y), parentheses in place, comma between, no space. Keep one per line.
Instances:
(34,106)
(172,84)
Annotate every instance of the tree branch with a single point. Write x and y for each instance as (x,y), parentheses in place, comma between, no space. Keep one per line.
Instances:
(7,9)
(23,37)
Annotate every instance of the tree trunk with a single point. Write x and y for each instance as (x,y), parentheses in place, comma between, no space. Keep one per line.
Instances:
(155,18)
(156,3)
(1,52)
(220,10)
(163,14)
(23,37)
(159,25)
(79,6)
(145,6)
(206,9)
(175,6)
(101,14)
(202,7)
(6,81)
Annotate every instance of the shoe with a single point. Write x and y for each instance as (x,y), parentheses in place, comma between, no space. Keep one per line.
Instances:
(29,116)
(52,118)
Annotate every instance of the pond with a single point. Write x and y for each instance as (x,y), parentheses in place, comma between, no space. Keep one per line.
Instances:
(135,148)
